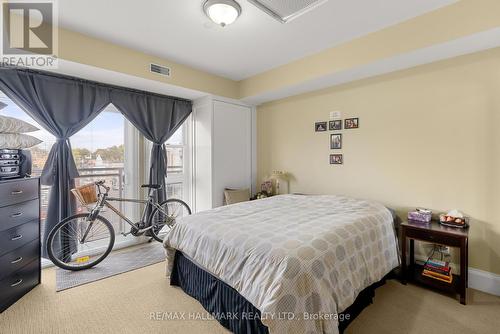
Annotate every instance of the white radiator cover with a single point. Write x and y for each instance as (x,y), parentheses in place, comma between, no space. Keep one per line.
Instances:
(286,10)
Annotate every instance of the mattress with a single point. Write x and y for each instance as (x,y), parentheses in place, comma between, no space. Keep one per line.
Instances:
(300,260)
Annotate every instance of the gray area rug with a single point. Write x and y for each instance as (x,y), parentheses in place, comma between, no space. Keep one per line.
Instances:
(116,263)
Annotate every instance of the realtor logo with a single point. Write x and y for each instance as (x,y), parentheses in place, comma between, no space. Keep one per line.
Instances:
(29,33)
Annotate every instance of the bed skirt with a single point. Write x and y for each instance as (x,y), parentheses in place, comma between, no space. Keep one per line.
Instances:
(218,298)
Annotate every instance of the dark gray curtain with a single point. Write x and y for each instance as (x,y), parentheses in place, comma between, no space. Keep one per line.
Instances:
(157,117)
(62,106)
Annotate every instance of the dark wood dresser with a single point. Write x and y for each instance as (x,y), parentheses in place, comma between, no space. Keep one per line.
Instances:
(20,261)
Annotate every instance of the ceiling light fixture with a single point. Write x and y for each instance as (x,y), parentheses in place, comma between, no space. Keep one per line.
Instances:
(222,12)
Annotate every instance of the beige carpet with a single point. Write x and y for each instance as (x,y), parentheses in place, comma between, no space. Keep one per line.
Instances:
(123,304)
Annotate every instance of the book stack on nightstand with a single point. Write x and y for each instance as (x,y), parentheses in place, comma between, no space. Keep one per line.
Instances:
(436,234)
(438,270)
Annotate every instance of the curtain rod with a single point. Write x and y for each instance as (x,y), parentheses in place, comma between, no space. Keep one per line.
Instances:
(97,83)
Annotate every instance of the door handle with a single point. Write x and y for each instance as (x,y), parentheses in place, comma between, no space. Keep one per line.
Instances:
(18,214)
(16,192)
(19,259)
(19,281)
(17,237)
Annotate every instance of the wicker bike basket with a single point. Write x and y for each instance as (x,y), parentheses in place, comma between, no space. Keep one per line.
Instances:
(86,194)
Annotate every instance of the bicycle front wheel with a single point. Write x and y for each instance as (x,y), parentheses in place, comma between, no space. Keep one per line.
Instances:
(163,220)
(77,243)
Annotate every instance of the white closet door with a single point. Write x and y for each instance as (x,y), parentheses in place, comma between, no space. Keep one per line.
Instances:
(232,152)
(202,150)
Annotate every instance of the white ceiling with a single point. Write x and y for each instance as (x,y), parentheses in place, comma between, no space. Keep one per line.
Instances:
(179,31)
(485,40)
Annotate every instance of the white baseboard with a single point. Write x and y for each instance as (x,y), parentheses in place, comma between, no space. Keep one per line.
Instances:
(484,281)
(478,279)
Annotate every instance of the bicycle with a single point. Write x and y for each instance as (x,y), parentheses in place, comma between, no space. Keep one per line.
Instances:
(83,240)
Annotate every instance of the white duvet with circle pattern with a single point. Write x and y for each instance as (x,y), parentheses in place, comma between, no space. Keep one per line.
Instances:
(299,259)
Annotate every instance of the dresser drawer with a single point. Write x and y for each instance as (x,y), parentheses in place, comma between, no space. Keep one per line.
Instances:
(18,191)
(17,236)
(19,257)
(17,214)
(18,284)
(422,235)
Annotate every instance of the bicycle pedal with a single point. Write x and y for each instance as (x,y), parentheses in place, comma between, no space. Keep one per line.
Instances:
(125,234)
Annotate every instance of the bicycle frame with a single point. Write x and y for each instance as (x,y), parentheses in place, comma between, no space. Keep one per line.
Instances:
(149,205)
(104,200)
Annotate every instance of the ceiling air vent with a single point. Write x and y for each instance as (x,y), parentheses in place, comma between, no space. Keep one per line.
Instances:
(161,70)
(286,10)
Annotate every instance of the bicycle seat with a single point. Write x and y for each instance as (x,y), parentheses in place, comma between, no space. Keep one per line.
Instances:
(151,186)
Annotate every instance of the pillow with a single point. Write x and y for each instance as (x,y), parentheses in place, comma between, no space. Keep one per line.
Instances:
(233,196)
(17,141)
(14,125)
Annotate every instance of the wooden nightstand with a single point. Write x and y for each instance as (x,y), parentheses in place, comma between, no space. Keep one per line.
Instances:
(436,234)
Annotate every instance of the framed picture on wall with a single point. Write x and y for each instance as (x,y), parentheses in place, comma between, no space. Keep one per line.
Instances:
(336,141)
(336,159)
(351,123)
(267,187)
(320,126)
(335,125)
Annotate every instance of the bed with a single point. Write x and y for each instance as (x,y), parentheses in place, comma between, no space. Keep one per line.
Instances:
(287,264)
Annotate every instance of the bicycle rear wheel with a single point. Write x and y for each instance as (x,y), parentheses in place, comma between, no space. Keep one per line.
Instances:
(162,221)
(77,244)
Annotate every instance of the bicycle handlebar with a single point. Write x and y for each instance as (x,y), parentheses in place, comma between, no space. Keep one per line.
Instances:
(101,184)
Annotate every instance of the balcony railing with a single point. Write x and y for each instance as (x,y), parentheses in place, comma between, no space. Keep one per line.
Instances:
(114,177)
(175,169)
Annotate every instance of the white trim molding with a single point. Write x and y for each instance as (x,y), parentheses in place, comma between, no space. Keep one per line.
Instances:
(478,279)
(458,47)
(484,281)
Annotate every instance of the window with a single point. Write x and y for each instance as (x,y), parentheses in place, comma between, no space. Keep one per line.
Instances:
(178,168)
(175,164)
(39,153)
(110,148)
(101,151)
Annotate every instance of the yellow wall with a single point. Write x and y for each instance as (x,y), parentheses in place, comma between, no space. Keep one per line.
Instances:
(463,18)
(80,48)
(87,50)
(428,137)
(466,17)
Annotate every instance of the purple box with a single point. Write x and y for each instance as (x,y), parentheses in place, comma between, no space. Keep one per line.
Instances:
(424,217)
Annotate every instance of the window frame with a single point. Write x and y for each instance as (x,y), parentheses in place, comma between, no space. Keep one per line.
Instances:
(186,175)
